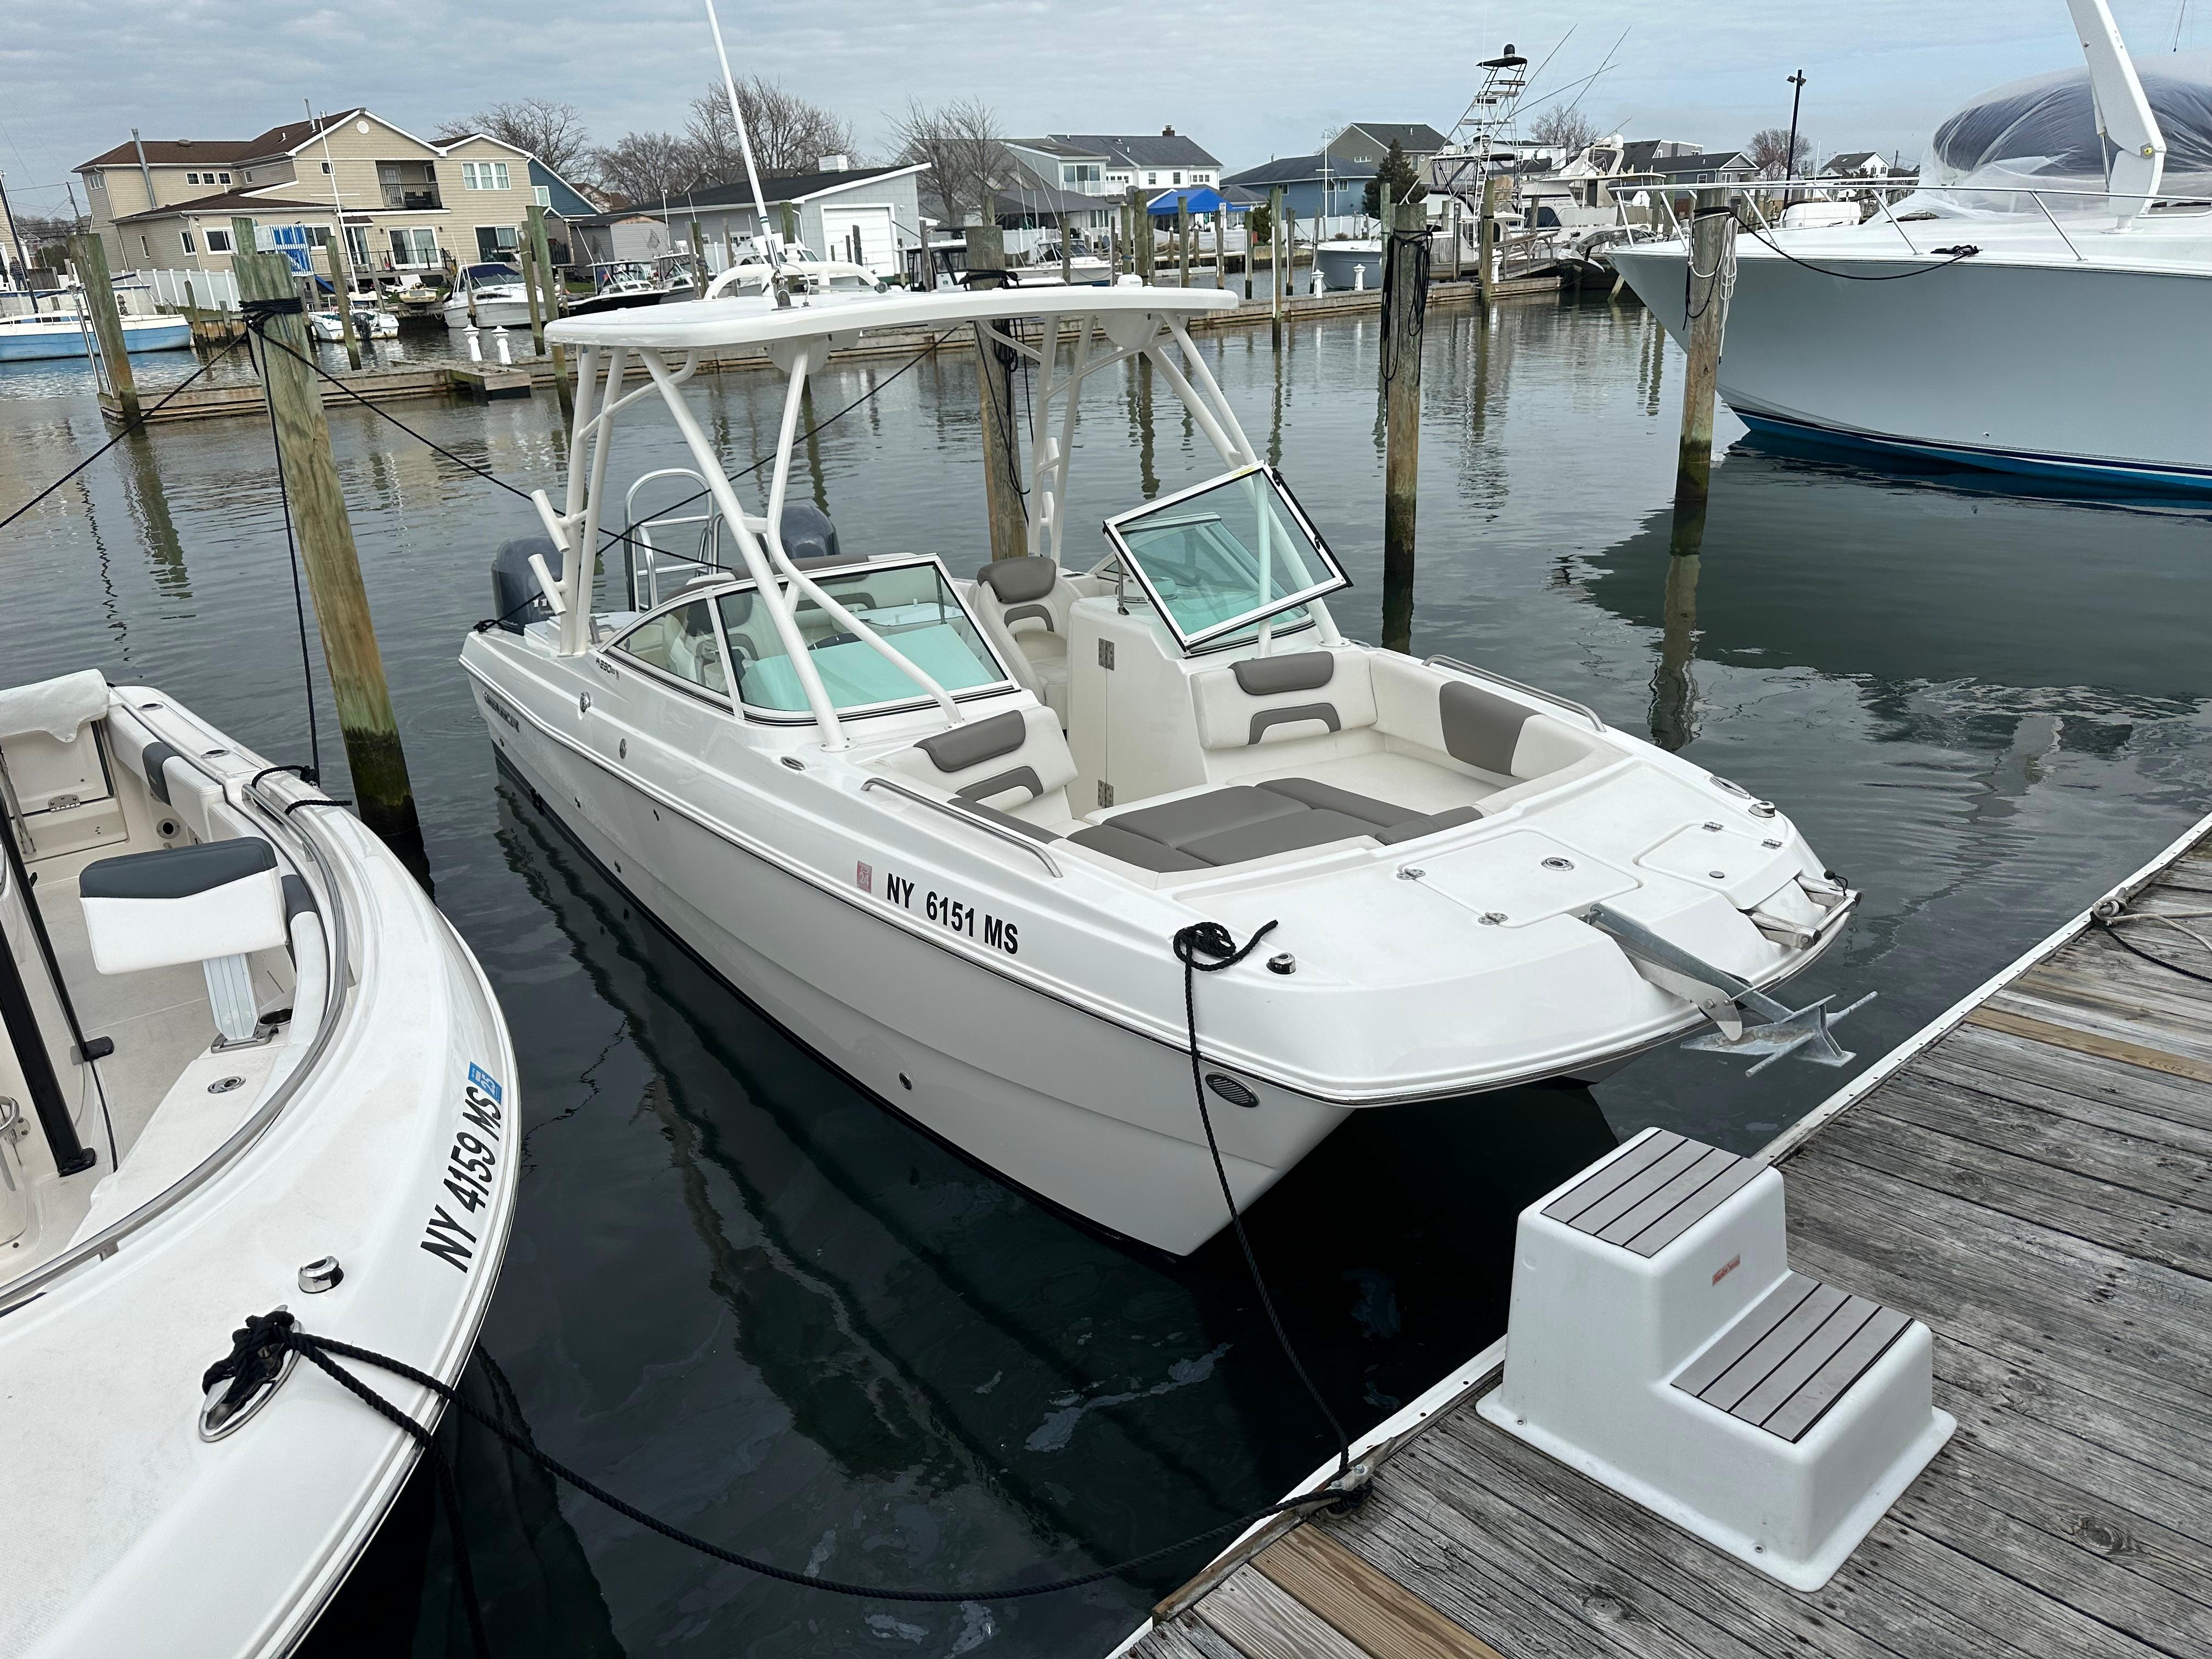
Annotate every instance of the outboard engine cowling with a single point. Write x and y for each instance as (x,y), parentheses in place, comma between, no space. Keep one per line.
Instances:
(517,600)
(808,536)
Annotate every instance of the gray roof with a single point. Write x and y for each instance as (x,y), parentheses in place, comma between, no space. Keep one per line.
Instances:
(1718,160)
(1851,159)
(1297,170)
(1156,149)
(740,194)
(1415,137)
(1058,147)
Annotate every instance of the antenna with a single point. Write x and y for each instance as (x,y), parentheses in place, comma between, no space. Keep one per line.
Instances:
(744,139)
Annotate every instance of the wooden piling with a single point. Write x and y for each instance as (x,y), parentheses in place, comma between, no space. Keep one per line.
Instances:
(1405,299)
(1182,240)
(1221,248)
(995,379)
(1712,262)
(1141,224)
(1485,243)
(383,795)
(87,254)
(530,294)
(1066,253)
(342,283)
(1277,235)
(551,276)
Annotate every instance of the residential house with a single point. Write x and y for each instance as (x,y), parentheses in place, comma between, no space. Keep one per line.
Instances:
(1365,143)
(407,205)
(1317,185)
(1724,166)
(1057,181)
(871,217)
(1152,163)
(1856,164)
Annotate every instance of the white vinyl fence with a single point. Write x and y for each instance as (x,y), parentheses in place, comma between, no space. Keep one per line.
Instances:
(208,290)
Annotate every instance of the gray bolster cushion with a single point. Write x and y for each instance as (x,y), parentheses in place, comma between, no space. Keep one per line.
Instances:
(176,871)
(1022,613)
(1302,670)
(1292,715)
(1480,728)
(1022,777)
(155,757)
(1016,580)
(977,741)
(1435,823)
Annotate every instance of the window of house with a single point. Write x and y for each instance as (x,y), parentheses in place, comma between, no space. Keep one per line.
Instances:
(681,643)
(1176,180)
(1151,178)
(187,236)
(416,247)
(483,175)
(145,247)
(191,177)
(218,242)
(496,242)
(327,167)
(357,245)
(318,235)
(225,177)
(542,194)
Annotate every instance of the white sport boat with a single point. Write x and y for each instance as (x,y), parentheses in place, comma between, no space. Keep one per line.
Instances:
(2034,307)
(944,829)
(754,273)
(43,334)
(370,323)
(490,296)
(246,1065)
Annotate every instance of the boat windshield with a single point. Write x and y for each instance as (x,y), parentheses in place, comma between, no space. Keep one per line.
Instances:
(1225,555)
(480,275)
(911,606)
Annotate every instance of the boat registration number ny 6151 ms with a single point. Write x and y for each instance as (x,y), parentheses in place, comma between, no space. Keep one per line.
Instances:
(955,915)
(468,1167)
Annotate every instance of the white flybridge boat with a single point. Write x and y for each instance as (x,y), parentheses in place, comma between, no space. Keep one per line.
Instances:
(2034,307)
(944,829)
(246,1064)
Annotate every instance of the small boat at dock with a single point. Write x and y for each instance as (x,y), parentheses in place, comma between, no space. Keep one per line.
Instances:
(487,296)
(46,334)
(245,1066)
(370,323)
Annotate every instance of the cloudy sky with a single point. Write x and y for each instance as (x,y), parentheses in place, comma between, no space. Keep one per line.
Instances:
(1249,80)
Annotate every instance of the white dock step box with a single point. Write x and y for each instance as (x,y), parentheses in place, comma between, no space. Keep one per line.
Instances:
(1659,1343)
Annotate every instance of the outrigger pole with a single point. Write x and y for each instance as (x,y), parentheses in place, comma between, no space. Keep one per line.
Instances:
(745,145)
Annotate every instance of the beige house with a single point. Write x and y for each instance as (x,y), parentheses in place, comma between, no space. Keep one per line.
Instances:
(407,205)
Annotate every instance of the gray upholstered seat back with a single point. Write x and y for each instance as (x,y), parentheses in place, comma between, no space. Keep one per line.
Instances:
(1301,694)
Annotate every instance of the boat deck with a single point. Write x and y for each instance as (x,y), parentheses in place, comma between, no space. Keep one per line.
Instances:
(2032,1176)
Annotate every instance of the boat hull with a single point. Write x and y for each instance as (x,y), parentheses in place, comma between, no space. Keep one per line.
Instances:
(490,313)
(1062,1113)
(2032,369)
(65,339)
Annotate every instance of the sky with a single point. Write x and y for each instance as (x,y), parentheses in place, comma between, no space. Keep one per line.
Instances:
(1247,81)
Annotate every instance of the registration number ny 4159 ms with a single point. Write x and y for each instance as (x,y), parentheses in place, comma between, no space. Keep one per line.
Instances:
(468,1175)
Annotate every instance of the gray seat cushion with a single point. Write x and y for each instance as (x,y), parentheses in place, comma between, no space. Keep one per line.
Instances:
(1302,670)
(1414,829)
(1260,841)
(976,742)
(1328,797)
(1140,850)
(1195,817)
(1015,580)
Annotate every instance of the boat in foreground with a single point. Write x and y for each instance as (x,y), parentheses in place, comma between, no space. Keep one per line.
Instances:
(487,296)
(944,829)
(2032,307)
(246,1065)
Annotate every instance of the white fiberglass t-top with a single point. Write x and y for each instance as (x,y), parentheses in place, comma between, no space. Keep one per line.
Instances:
(944,830)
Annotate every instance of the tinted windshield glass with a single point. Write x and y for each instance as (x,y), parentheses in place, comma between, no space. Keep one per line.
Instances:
(1224,556)
(910,607)
(494,274)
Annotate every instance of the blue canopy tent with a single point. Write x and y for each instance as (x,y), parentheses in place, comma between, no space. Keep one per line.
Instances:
(1198,199)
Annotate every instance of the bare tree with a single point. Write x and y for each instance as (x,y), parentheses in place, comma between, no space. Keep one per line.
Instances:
(790,135)
(643,167)
(1769,151)
(553,132)
(969,162)
(1564,129)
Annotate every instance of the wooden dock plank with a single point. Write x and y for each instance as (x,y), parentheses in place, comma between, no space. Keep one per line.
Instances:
(1262,1620)
(2036,1183)
(1380,1616)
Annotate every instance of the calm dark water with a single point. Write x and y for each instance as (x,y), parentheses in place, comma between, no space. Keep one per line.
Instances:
(752,1301)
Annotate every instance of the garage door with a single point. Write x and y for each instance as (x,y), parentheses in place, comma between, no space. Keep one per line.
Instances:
(863,236)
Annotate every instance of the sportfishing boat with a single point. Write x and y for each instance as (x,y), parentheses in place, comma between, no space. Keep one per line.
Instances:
(489,296)
(942,821)
(245,1065)
(2033,306)
(754,273)
(64,334)
(619,284)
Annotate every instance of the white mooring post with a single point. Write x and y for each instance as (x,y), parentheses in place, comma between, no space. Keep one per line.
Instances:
(505,353)
(475,344)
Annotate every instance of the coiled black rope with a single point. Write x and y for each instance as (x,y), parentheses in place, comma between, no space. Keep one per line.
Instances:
(2119,938)
(1405,282)
(1213,942)
(256,1361)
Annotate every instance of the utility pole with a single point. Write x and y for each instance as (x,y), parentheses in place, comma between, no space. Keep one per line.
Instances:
(1712,271)
(1405,303)
(90,256)
(1790,162)
(994,378)
(383,795)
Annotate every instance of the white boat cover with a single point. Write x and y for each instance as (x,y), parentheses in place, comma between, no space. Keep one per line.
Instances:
(59,707)
(2042,132)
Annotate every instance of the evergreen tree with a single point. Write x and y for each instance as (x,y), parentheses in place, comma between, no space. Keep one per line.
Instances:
(1400,176)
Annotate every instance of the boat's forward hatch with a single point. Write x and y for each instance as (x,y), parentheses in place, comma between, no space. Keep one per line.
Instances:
(1225,555)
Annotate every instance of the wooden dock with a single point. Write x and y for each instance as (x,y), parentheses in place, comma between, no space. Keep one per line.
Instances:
(442,379)
(2032,1175)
